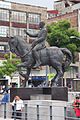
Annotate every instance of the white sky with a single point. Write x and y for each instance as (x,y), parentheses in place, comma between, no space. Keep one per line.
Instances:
(42,3)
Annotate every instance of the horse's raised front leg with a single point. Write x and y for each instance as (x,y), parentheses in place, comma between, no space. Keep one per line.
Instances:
(25,75)
(58,76)
(23,64)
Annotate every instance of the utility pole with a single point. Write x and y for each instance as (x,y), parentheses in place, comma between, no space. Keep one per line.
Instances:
(27,26)
(79,66)
(10,25)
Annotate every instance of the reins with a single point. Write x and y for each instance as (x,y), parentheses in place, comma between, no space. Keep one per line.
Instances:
(26,53)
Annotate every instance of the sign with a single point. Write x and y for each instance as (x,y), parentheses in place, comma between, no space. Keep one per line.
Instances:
(51,76)
(66,10)
(38,77)
(59,6)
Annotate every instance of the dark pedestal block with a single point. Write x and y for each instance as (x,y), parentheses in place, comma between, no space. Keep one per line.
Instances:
(60,93)
(55,93)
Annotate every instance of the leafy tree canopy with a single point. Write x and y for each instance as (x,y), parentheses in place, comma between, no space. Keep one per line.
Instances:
(9,66)
(59,35)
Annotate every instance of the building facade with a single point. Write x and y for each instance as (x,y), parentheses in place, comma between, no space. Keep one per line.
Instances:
(72,14)
(73,17)
(14,19)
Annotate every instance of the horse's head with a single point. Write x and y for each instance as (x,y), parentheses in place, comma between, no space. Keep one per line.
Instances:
(13,45)
(18,46)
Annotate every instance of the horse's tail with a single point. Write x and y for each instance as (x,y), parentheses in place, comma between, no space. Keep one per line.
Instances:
(67,59)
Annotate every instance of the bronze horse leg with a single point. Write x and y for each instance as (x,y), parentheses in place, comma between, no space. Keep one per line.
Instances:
(59,74)
(25,75)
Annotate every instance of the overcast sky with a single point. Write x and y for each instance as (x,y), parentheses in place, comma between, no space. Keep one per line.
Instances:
(42,3)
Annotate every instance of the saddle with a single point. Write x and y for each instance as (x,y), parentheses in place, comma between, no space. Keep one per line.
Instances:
(39,51)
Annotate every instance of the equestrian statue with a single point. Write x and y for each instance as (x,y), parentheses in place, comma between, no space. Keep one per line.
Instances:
(37,54)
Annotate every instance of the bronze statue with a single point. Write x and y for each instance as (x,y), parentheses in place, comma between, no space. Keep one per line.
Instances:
(39,42)
(58,58)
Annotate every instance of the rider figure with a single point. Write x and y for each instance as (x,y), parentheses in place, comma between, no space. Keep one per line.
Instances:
(39,43)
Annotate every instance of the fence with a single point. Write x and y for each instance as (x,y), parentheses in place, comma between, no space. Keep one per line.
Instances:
(33,111)
(38,112)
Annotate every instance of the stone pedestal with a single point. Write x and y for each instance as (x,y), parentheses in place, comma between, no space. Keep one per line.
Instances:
(46,103)
(40,97)
(43,93)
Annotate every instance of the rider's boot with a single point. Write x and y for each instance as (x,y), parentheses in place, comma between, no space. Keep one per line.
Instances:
(38,62)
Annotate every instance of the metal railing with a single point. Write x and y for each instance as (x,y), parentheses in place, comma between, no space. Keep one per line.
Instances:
(37,112)
(30,112)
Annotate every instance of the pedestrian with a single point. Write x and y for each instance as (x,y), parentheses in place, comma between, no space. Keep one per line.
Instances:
(1,90)
(6,97)
(76,105)
(17,105)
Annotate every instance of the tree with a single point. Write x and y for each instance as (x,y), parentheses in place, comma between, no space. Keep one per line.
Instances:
(9,66)
(59,35)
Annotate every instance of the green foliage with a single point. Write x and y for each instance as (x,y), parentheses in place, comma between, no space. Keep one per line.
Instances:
(7,56)
(59,35)
(1,73)
(9,66)
(72,47)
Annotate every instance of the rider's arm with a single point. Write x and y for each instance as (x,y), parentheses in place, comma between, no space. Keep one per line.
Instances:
(30,34)
(43,37)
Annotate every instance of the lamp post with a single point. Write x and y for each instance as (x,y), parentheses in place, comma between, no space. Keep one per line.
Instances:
(78,38)
(46,72)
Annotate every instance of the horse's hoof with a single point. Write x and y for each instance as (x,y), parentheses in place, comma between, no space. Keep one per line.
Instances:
(54,84)
(44,84)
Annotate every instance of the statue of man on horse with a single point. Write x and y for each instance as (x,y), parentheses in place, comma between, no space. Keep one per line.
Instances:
(35,55)
(39,42)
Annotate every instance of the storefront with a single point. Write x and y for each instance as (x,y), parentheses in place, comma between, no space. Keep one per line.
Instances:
(36,80)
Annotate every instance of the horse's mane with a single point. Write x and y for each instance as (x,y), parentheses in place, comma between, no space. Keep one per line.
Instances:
(22,41)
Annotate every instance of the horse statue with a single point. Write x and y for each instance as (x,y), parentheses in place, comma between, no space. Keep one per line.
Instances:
(58,58)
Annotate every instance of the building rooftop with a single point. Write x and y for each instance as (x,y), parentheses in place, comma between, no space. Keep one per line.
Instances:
(23,4)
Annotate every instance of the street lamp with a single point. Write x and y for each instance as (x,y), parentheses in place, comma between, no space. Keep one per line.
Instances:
(75,37)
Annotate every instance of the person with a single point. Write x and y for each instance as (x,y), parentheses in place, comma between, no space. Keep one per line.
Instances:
(17,105)
(6,97)
(76,106)
(39,43)
(1,90)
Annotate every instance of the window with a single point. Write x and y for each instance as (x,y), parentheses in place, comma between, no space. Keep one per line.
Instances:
(4,15)
(34,18)
(1,48)
(4,48)
(17,31)
(19,17)
(33,31)
(4,31)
